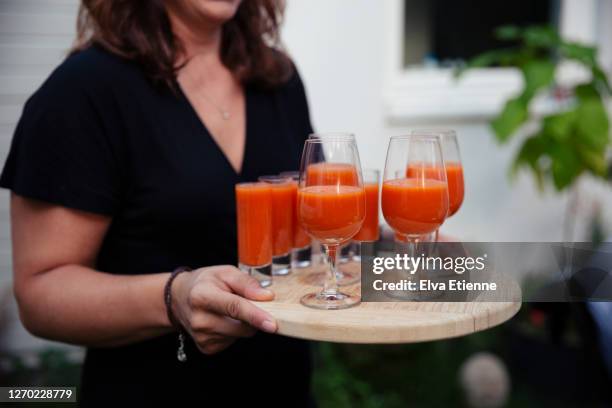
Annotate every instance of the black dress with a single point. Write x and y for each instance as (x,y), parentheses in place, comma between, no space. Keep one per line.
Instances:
(99,137)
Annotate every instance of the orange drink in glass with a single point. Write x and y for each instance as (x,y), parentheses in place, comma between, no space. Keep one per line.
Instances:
(301,252)
(332,214)
(331,207)
(415,199)
(415,207)
(254,221)
(454,177)
(370,230)
(282,191)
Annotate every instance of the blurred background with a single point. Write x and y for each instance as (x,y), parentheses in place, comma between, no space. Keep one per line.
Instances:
(378,69)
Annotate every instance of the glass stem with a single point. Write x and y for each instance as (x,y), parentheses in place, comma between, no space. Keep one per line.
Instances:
(413,244)
(331,282)
(434,247)
(412,247)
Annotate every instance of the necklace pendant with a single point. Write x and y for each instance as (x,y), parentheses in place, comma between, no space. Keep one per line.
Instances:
(225,115)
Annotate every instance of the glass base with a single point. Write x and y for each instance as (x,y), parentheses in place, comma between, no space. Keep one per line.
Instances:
(301,257)
(301,264)
(346,278)
(263,274)
(281,265)
(330,301)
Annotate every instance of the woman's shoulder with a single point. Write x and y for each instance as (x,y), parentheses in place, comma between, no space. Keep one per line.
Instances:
(293,88)
(92,69)
(295,101)
(97,60)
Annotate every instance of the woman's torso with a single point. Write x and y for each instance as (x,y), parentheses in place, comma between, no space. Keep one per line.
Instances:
(175,206)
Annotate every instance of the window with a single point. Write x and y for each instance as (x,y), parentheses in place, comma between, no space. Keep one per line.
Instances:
(427,38)
(444,33)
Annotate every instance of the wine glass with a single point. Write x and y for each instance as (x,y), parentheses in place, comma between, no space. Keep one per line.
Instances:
(331,204)
(453,166)
(331,174)
(415,188)
(454,170)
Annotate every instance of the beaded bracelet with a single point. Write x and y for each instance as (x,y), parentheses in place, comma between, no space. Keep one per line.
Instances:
(180,353)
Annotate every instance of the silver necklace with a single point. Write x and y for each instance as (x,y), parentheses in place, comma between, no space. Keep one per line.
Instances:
(225,114)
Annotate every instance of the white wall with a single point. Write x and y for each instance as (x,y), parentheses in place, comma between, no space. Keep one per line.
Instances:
(339,47)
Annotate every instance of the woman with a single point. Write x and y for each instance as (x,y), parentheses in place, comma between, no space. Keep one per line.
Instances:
(122,169)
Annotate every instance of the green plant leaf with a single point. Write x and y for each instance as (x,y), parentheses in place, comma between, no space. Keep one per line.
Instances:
(601,79)
(508,33)
(560,126)
(532,149)
(593,160)
(510,119)
(592,124)
(529,155)
(566,165)
(585,92)
(541,37)
(538,74)
(504,56)
(578,52)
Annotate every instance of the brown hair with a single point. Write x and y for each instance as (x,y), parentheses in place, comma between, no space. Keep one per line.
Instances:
(140,31)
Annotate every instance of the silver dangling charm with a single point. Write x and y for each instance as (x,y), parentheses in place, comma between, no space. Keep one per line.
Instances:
(180,353)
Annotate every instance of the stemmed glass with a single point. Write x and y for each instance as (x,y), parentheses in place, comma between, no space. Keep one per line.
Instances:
(415,188)
(331,204)
(454,170)
(453,166)
(331,174)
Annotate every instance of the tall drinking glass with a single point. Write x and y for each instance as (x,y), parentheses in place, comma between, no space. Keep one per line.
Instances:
(254,220)
(283,195)
(331,203)
(370,231)
(301,253)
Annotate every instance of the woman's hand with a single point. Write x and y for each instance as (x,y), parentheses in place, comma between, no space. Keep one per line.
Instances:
(211,305)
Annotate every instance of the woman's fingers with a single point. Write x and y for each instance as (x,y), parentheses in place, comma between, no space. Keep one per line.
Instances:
(216,325)
(218,312)
(236,307)
(244,285)
(234,328)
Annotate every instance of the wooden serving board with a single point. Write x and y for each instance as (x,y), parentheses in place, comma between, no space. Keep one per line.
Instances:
(380,322)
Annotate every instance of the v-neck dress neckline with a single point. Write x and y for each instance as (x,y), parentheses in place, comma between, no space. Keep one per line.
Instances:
(239,175)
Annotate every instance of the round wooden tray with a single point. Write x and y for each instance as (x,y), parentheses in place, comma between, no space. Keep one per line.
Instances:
(380,322)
